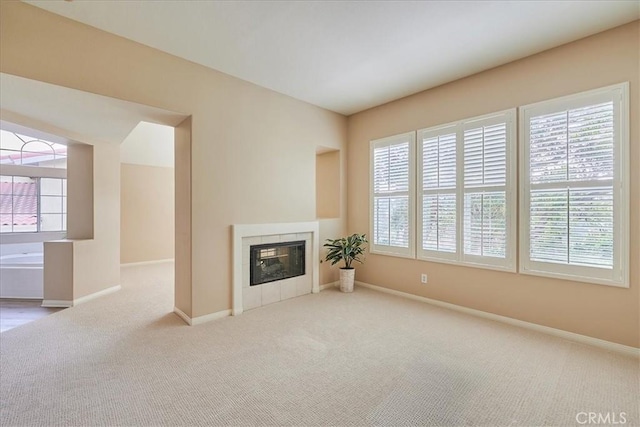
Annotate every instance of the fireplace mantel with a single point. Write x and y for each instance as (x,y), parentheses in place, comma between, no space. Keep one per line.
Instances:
(242,231)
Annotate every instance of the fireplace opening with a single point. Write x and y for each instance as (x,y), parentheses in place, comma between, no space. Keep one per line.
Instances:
(276,261)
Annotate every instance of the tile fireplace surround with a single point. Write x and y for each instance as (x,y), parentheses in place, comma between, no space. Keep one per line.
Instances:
(245,235)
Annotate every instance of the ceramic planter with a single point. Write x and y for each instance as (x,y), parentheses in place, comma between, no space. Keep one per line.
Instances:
(347,276)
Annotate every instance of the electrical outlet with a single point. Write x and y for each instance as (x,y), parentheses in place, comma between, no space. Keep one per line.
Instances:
(423,278)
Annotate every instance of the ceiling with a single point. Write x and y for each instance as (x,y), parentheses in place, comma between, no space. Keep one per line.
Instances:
(348,56)
(70,114)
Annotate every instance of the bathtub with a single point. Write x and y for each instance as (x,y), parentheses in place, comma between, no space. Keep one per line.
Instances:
(21,275)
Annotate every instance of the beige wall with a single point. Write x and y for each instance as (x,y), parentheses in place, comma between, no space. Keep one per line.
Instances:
(96,262)
(80,192)
(330,205)
(146,213)
(89,261)
(183,242)
(58,271)
(328,185)
(251,148)
(329,229)
(599,311)
(239,174)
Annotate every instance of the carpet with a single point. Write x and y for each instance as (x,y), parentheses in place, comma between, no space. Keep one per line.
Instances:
(365,358)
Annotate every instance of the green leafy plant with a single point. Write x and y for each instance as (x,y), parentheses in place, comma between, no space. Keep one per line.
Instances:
(347,249)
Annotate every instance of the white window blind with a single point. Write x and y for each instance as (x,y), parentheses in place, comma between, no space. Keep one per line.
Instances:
(392,202)
(438,191)
(573,187)
(485,180)
(466,185)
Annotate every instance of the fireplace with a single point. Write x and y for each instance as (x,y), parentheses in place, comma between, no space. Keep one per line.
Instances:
(276,261)
(246,295)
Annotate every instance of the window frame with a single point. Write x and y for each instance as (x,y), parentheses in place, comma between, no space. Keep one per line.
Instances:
(428,254)
(508,263)
(374,248)
(618,275)
(38,173)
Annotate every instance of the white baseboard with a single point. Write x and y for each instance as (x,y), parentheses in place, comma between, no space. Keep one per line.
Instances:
(81,300)
(201,319)
(582,339)
(54,303)
(329,285)
(134,264)
(182,315)
(209,317)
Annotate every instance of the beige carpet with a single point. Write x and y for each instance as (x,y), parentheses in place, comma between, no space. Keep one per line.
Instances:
(365,358)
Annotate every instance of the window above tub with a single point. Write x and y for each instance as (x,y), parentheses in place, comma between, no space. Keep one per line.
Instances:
(33,187)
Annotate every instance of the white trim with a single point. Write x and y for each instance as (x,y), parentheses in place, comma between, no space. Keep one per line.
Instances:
(160,261)
(388,250)
(81,300)
(240,231)
(574,100)
(618,275)
(56,303)
(95,295)
(596,276)
(34,237)
(470,263)
(508,263)
(330,285)
(625,181)
(21,297)
(201,319)
(570,336)
(33,171)
(209,317)
(182,315)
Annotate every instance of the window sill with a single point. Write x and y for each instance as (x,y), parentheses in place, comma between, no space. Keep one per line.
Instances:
(454,262)
(393,254)
(575,278)
(43,236)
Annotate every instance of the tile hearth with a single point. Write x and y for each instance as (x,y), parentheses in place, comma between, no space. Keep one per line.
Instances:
(268,293)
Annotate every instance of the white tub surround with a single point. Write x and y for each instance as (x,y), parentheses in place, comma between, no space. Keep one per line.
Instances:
(21,281)
(246,297)
(21,273)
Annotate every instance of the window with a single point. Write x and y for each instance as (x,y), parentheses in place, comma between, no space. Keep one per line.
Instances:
(438,188)
(466,185)
(392,198)
(33,188)
(17,149)
(574,187)
(53,204)
(32,204)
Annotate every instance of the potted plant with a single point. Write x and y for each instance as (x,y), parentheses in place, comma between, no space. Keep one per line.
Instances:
(347,249)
